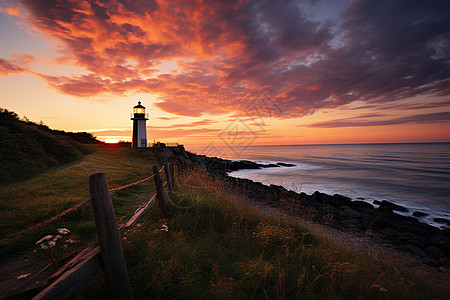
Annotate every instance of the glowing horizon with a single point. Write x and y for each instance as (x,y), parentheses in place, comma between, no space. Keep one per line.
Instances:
(254,71)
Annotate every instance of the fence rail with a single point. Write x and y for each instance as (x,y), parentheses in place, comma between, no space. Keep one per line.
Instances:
(109,254)
(65,212)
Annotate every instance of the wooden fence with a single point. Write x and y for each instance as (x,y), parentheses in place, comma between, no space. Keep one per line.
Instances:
(109,254)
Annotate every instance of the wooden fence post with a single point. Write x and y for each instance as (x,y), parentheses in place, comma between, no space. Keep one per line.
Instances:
(168,176)
(116,273)
(159,190)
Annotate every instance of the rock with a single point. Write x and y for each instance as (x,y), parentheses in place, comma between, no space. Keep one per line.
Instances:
(269,166)
(317,196)
(435,252)
(285,164)
(415,250)
(361,204)
(411,228)
(389,206)
(431,229)
(442,221)
(405,218)
(243,164)
(337,200)
(441,241)
(419,214)
(376,221)
(347,211)
(416,240)
(389,233)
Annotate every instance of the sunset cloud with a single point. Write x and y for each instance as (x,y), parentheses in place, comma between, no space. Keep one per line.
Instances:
(233,53)
(19,64)
(365,120)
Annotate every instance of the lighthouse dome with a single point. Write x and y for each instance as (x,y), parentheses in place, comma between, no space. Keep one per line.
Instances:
(139,109)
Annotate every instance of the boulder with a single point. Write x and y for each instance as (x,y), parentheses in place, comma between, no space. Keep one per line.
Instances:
(386,205)
(389,233)
(431,229)
(419,214)
(376,221)
(337,200)
(411,228)
(443,242)
(415,250)
(442,221)
(435,252)
(349,212)
(285,164)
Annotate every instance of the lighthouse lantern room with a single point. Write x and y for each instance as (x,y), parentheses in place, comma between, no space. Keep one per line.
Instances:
(139,126)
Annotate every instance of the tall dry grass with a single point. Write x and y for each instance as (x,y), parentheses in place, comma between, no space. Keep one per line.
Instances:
(211,247)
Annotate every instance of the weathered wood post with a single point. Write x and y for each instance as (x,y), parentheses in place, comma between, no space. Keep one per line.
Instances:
(159,190)
(168,176)
(113,260)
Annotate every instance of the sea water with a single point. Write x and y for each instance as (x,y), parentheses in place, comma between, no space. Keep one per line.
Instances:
(415,175)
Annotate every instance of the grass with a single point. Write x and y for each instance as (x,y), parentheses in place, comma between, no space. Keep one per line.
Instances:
(209,246)
(25,203)
(28,149)
(212,247)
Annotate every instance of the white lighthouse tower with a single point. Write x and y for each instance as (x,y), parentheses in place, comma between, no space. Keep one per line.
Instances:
(139,118)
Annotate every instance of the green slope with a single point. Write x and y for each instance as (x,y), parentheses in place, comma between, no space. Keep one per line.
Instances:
(27,149)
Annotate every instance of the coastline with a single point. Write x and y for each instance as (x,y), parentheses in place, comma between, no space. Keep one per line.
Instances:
(403,205)
(380,224)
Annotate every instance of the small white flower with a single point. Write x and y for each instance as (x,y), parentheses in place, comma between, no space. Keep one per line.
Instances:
(63,231)
(43,247)
(23,276)
(70,241)
(45,238)
(51,244)
(59,236)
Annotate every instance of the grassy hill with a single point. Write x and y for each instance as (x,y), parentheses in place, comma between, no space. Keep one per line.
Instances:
(27,148)
(209,245)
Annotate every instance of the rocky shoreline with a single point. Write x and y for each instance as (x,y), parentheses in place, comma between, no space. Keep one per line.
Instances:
(382,224)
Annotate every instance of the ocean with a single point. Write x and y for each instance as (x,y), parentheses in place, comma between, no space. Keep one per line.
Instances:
(414,175)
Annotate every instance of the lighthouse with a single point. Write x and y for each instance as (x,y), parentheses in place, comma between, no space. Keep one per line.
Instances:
(139,126)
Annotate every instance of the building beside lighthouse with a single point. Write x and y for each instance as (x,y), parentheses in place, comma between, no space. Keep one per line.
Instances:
(139,118)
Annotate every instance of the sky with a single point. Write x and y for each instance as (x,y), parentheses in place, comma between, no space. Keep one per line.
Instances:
(233,73)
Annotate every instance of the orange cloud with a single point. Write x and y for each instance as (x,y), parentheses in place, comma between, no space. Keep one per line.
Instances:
(19,64)
(233,53)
